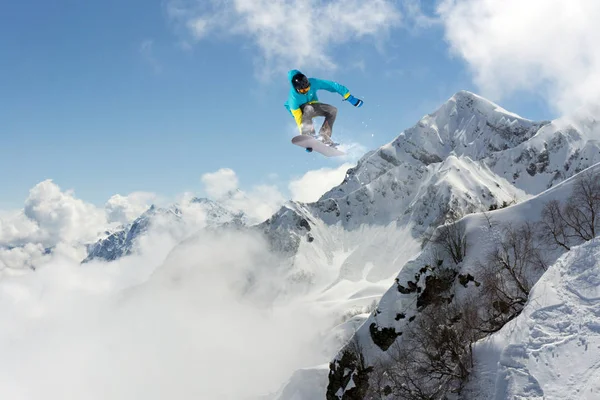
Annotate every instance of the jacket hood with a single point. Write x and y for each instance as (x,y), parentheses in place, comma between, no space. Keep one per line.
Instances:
(291,74)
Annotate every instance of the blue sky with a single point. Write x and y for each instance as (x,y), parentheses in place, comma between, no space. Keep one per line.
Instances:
(114,97)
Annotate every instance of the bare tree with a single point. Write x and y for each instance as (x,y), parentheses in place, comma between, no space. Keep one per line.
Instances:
(433,358)
(453,239)
(509,274)
(583,209)
(579,219)
(489,219)
(553,227)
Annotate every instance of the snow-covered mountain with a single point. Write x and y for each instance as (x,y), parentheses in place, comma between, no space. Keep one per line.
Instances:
(122,241)
(468,156)
(460,159)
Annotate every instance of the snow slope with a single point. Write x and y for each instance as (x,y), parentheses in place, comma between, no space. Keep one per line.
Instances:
(482,236)
(551,350)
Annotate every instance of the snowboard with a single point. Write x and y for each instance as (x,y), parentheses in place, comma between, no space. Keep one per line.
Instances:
(311,144)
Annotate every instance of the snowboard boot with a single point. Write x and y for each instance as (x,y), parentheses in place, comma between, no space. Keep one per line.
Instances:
(327,140)
(325,133)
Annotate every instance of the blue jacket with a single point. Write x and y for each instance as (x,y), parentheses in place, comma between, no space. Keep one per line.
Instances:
(295,99)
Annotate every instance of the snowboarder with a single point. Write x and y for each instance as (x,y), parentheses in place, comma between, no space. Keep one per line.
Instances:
(304,104)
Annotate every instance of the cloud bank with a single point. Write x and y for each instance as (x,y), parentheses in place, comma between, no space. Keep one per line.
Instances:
(192,327)
(542,46)
(55,220)
(218,184)
(60,216)
(51,216)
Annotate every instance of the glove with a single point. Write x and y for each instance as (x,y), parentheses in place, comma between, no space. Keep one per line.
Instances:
(354,101)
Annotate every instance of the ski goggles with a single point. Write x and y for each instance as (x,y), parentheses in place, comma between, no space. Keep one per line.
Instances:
(304,91)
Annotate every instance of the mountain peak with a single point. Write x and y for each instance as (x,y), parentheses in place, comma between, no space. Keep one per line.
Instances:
(465,95)
(466,125)
(471,102)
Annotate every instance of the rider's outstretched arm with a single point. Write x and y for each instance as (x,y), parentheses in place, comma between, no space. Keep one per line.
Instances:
(336,87)
(330,86)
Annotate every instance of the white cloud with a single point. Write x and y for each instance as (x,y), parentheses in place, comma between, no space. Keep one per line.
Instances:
(301,33)
(53,218)
(16,228)
(544,46)
(124,209)
(28,256)
(60,216)
(220,183)
(259,203)
(313,184)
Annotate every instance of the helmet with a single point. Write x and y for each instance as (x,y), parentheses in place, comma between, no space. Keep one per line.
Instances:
(300,83)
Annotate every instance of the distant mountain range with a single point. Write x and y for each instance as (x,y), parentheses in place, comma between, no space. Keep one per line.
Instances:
(122,241)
